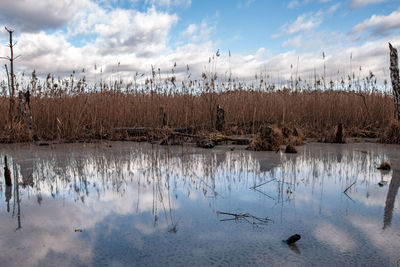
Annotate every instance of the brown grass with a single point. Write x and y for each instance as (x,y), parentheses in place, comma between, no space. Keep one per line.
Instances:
(268,139)
(391,134)
(87,114)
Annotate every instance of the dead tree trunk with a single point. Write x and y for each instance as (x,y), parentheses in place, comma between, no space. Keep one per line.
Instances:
(12,87)
(394,76)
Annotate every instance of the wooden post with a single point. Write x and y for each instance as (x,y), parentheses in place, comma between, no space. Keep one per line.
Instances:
(220,121)
(394,76)
(163,118)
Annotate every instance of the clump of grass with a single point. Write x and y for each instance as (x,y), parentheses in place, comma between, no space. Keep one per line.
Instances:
(385,166)
(293,136)
(336,136)
(392,133)
(269,138)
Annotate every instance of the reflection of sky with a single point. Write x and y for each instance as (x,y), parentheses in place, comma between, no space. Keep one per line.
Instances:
(144,205)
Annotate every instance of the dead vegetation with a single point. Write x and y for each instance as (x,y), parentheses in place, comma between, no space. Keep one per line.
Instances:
(95,115)
(391,135)
(268,138)
(385,166)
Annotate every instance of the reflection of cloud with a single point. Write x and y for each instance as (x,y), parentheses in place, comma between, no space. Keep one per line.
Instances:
(387,241)
(44,236)
(329,234)
(129,198)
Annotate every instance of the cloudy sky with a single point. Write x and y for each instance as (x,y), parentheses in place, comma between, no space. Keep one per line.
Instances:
(262,36)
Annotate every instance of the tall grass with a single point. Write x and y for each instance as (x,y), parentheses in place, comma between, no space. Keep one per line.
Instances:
(74,110)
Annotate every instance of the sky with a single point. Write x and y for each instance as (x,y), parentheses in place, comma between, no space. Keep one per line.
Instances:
(276,38)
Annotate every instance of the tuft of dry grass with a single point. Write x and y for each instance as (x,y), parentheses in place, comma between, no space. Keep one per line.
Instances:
(269,138)
(392,133)
(385,166)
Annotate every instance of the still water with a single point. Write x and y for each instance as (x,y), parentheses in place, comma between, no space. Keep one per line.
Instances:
(129,204)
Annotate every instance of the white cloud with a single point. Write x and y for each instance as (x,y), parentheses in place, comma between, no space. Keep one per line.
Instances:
(378,25)
(190,30)
(245,3)
(31,15)
(306,22)
(169,3)
(302,23)
(362,3)
(297,3)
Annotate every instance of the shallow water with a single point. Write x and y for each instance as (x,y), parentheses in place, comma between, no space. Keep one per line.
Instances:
(144,205)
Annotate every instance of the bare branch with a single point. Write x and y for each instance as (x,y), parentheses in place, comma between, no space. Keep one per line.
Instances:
(10,31)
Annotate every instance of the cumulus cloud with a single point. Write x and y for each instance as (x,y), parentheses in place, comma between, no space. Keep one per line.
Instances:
(379,25)
(362,3)
(32,16)
(306,22)
(139,39)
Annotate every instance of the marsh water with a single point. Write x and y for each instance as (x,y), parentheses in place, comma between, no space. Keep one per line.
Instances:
(137,204)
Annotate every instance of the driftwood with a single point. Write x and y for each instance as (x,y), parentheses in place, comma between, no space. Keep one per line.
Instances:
(394,76)
(144,131)
(137,132)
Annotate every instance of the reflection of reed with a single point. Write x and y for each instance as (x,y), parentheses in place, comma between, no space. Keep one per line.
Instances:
(167,172)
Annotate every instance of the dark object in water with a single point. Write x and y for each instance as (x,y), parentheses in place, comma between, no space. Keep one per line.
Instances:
(43,144)
(293,239)
(78,230)
(7,172)
(290,149)
(385,166)
(382,183)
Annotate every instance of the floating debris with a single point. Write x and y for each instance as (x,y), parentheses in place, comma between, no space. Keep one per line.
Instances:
(78,230)
(382,183)
(293,239)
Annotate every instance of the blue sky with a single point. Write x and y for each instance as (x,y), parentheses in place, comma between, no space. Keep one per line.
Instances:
(60,36)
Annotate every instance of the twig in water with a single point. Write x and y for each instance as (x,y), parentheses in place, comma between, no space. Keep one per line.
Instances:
(245,216)
(348,187)
(254,187)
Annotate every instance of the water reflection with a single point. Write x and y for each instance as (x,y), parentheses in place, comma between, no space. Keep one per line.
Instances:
(142,198)
(390,199)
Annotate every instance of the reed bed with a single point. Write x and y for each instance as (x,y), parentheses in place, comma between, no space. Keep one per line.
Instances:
(68,110)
